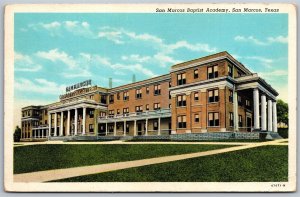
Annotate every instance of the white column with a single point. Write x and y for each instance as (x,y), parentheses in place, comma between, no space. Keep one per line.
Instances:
(83,121)
(115,129)
(68,123)
(270,116)
(49,119)
(124,128)
(55,124)
(134,128)
(274,117)
(106,129)
(146,132)
(263,113)
(158,133)
(256,108)
(61,133)
(76,121)
(235,111)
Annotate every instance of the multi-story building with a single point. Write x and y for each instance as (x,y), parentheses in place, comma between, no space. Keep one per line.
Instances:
(215,93)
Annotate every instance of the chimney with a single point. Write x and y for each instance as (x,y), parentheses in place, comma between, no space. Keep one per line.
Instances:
(133,78)
(110,82)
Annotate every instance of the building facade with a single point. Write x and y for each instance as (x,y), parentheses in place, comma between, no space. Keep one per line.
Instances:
(215,93)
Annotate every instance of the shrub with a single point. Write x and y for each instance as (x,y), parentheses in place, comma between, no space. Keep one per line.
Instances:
(283,132)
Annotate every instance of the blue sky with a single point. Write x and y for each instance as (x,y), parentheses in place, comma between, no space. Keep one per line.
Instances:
(53,51)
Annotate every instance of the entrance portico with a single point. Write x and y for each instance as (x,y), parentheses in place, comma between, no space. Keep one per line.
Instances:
(72,118)
(264,102)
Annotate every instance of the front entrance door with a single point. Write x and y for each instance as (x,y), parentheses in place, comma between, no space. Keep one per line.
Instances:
(139,128)
(249,124)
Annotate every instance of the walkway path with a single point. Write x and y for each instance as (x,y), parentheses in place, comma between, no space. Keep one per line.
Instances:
(141,142)
(50,175)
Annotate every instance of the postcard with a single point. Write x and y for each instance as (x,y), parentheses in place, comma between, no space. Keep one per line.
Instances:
(150,98)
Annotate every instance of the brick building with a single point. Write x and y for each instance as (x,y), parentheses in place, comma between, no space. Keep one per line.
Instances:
(215,93)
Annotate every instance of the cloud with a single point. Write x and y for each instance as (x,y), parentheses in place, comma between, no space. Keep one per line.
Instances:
(250,39)
(113,36)
(164,60)
(25,63)
(76,67)
(279,39)
(274,73)
(264,61)
(121,35)
(121,67)
(56,55)
(56,28)
(192,47)
(53,25)
(80,29)
(270,40)
(39,85)
(136,58)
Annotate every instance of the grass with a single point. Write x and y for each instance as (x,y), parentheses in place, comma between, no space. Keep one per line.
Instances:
(57,156)
(261,164)
(221,140)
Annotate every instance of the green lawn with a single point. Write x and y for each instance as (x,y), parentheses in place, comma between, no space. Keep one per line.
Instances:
(261,164)
(57,156)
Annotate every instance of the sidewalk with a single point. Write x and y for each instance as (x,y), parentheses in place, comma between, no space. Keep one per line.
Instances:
(51,175)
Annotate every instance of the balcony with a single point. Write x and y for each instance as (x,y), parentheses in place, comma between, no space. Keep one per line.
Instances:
(161,113)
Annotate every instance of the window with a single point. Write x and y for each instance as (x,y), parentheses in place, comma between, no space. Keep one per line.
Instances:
(212,72)
(91,96)
(125,96)
(45,121)
(181,79)
(248,103)
(230,71)
(230,96)
(103,99)
(196,96)
(125,110)
(240,121)
(118,111)
(91,128)
(213,95)
(240,100)
(181,121)
(147,107)
(196,118)
(196,74)
(111,128)
(102,114)
(213,119)
(139,108)
(91,113)
(138,93)
(111,113)
(181,100)
(147,90)
(170,84)
(231,119)
(118,96)
(155,125)
(111,98)
(156,106)
(170,106)
(156,89)
(239,74)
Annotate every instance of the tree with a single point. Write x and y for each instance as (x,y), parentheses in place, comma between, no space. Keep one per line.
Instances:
(17,134)
(282,112)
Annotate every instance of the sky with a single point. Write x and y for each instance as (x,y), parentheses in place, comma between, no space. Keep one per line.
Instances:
(54,50)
